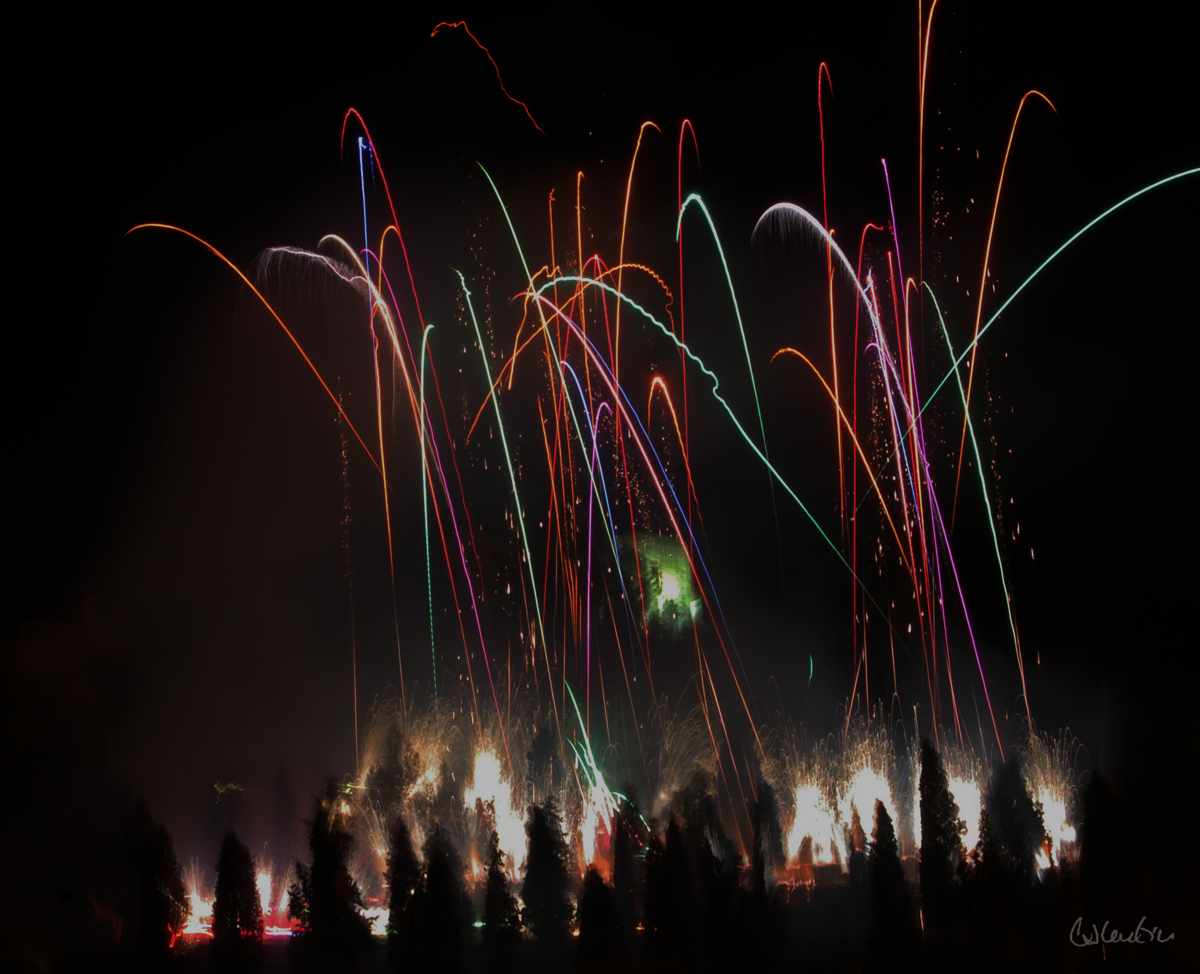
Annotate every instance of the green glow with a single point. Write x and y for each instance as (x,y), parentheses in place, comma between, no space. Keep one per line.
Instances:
(670,598)
(716,394)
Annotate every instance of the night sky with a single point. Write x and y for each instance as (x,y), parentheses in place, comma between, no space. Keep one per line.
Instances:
(178,607)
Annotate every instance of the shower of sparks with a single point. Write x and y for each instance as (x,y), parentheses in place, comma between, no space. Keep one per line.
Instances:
(564,538)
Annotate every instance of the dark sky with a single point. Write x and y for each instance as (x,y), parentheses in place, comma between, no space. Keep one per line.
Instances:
(178,596)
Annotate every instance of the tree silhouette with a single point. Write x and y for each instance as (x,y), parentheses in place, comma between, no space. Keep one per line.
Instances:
(237,924)
(655,889)
(601,945)
(712,861)
(889,894)
(857,859)
(1011,828)
(403,877)
(941,838)
(155,908)
(325,900)
(772,831)
(767,853)
(670,901)
(300,899)
(626,879)
(1004,905)
(501,918)
(547,907)
(441,910)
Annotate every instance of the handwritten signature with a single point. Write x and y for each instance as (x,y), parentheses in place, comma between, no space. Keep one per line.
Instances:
(1104,935)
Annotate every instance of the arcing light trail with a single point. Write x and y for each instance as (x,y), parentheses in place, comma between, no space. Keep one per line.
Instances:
(604,286)
(983,275)
(1054,255)
(547,587)
(462,25)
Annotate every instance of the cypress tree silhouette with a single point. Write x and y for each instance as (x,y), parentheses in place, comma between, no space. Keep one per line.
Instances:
(544,891)
(626,879)
(299,900)
(760,917)
(941,839)
(772,831)
(712,860)
(441,911)
(657,894)
(1000,887)
(670,902)
(325,900)
(237,925)
(403,878)
(155,909)
(857,859)
(889,894)
(1011,827)
(601,945)
(501,918)
(767,853)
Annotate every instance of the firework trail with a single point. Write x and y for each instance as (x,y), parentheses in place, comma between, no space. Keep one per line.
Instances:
(651,574)
(462,25)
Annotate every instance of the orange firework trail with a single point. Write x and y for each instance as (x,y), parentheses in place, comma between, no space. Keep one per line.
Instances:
(278,320)
(586,509)
(983,275)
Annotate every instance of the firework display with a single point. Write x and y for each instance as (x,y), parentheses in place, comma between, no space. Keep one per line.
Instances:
(533,447)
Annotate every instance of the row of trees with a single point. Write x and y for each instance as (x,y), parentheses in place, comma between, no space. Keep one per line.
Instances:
(678,898)
(151,905)
(683,897)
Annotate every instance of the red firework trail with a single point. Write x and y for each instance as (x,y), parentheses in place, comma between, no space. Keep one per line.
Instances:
(495,67)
